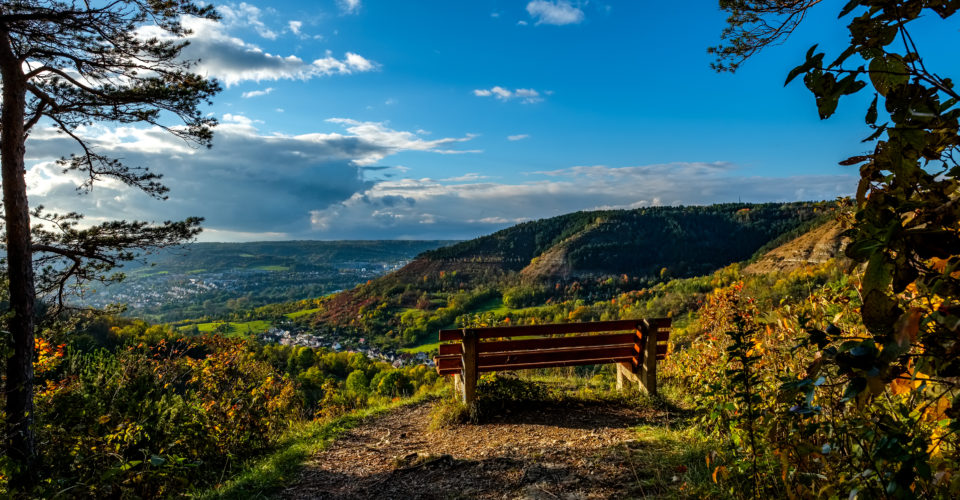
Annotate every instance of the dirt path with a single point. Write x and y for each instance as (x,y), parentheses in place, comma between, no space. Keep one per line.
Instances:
(569,451)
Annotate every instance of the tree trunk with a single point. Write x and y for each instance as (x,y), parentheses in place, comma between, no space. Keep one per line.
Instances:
(19,365)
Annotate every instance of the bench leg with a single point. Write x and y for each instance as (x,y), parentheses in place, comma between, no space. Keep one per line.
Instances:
(626,379)
(648,368)
(471,372)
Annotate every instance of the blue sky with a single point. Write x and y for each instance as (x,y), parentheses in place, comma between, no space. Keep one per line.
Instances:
(369,119)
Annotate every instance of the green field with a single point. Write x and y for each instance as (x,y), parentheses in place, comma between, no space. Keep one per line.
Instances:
(238,329)
(494,305)
(147,272)
(273,268)
(298,314)
(427,348)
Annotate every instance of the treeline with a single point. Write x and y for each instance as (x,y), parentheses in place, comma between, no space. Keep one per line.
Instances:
(688,240)
(293,255)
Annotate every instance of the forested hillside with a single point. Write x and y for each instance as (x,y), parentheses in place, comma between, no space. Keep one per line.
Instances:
(579,256)
(641,242)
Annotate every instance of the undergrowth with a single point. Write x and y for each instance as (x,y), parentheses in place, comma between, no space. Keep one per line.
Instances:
(262,477)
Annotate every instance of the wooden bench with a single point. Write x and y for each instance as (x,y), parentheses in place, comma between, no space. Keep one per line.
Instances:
(467,352)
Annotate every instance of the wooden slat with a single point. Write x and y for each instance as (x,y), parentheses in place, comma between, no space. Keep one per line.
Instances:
(554,364)
(663,335)
(661,349)
(542,356)
(574,354)
(455,368)
(554,329)
(557,342)
(451,362)
(548,364)
(451,349)
(551,342)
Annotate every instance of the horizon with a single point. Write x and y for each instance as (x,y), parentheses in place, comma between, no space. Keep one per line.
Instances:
(364,120)
(456,240)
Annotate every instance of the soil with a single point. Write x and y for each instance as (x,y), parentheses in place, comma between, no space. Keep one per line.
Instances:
(576,450)
(811,248)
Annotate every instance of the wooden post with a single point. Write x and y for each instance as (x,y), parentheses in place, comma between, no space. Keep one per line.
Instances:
(648,360)
(469,360)
(626,377)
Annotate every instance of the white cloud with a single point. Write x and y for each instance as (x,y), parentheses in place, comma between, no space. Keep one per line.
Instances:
(231,60)
(257,93)
(518,137)
(558,13)
(295,26)
(349,6)
(463,208)
(468,177)
(526,96)
(250,185)
(244,15)
(522,23)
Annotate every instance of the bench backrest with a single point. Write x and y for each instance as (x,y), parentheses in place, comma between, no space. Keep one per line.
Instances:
(538,346)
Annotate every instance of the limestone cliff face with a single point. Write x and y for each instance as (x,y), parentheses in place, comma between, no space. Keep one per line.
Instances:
(811,248)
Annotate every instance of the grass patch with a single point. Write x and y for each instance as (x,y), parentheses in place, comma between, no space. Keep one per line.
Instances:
(239,329)
(273,268)
(265,476)
(427,348)
(147,272)
(299,314)
(670,461)
(494,305)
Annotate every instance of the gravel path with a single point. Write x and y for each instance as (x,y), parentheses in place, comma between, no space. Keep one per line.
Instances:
(570,451)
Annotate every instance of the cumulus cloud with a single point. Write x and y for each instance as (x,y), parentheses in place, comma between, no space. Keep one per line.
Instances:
(558,13)
(465,209)
(349,6)
(257,93)
(526,96)
(250,185)
(245,15)
(232,60)
(518,137)
(295,26)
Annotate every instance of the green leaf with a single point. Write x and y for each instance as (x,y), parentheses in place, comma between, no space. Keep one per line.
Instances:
(812,61)
(872,111)
(888,72)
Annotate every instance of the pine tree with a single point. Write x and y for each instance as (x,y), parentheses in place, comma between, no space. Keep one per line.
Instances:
(65,64)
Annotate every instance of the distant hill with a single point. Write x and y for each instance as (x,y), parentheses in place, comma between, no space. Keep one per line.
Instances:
(304,255)
(588,255)
(214,279)
(687,241)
